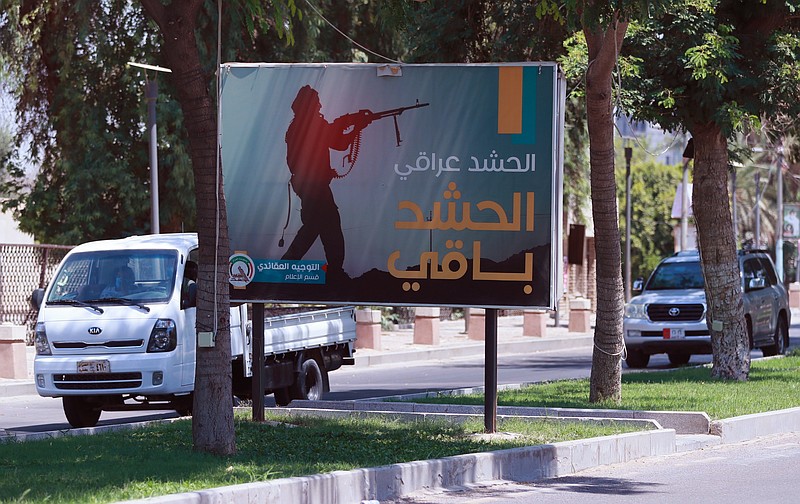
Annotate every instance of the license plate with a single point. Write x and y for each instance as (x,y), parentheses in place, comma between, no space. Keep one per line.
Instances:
(674,333)
(94,366)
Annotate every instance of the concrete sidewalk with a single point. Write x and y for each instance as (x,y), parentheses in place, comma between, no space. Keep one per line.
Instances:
(398,346)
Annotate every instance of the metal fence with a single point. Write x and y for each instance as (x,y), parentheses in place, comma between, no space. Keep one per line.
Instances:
(24,268)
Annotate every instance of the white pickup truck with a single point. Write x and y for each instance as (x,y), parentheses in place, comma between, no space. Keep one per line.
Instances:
(116,331)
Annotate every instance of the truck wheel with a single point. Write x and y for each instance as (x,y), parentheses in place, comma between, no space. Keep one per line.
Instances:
(637,359)
(309,384)
(183,405)
(80,411)
(282,397)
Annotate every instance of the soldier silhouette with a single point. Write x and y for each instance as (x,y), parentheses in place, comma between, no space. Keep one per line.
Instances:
(308,142)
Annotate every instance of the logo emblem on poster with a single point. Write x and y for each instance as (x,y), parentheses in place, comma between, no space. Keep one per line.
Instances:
(242,270)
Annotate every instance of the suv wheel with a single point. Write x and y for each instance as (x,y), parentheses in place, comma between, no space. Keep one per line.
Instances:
(637,359)
(780,338)
(679,359)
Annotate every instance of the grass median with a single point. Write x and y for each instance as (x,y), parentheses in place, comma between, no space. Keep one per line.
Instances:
(774,384)
(158,460)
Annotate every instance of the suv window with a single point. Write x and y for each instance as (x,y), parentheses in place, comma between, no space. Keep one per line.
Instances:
(766,264)
(677,275)
(754,269)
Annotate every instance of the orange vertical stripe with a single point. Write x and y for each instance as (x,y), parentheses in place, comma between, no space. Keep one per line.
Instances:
(509,100)
(529,214)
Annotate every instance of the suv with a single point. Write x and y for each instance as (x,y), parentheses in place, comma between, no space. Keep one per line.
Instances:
(669,316)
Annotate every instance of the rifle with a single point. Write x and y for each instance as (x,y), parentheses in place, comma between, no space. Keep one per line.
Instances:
(361,119)
(394,114)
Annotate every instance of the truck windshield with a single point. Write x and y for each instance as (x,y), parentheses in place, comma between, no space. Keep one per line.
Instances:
(677,275)
(137,275)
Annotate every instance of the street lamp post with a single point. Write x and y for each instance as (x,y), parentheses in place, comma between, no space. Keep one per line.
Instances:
(628,155)
(151,95)
(757,239)
(779,218)
(688,155)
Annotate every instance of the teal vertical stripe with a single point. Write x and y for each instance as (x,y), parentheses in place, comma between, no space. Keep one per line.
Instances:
(530,79)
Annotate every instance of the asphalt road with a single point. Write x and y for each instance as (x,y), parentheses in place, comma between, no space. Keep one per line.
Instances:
(758,471)
(39,414)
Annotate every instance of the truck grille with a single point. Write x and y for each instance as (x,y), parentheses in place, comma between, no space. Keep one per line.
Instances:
(97,381)
(675,312)
(107,344)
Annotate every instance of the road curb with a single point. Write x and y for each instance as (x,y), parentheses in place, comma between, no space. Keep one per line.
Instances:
(683,422)
(525,464)
(746,427)
(17,388)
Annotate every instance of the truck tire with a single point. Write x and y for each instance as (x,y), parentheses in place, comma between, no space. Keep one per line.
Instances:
(309,384)
(282,397)
(81,411)
(183,405)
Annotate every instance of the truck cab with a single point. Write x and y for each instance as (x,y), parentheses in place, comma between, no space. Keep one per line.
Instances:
(117,322)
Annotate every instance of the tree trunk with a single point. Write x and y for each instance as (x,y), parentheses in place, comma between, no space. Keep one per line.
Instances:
(712,214)
(212,422)
(606,377)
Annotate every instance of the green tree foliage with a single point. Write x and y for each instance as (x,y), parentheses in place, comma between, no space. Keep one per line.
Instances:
(83,112)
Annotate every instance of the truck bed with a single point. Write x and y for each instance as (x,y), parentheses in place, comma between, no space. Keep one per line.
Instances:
(300,331)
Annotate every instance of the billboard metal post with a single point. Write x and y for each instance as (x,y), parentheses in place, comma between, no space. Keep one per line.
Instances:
(490,379)
(258,362)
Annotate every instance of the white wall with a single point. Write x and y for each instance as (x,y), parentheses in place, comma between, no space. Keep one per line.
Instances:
(10,233)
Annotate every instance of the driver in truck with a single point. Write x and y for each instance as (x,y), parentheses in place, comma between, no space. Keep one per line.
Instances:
(123,283)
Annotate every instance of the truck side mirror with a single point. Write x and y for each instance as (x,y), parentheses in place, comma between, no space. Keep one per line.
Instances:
(36,298)
(638,284)
(189,296)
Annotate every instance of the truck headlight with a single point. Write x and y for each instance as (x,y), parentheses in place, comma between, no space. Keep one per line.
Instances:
(163,337)
(636,311)
(40,340)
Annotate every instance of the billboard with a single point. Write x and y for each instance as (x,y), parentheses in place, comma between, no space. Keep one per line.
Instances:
(791,220)
(394,184)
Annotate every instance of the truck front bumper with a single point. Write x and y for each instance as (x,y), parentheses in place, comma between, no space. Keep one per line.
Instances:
(141,374)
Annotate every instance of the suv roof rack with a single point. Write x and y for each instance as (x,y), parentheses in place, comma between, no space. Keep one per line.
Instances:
(690,252)
(753,250)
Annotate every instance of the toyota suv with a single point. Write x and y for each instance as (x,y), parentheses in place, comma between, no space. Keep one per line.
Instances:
(669,316)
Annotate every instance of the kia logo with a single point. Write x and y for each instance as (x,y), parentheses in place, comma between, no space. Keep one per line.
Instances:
(674,312)
(94,331)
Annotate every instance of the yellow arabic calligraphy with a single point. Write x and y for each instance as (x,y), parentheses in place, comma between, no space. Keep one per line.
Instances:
(429,266)
(451,220)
